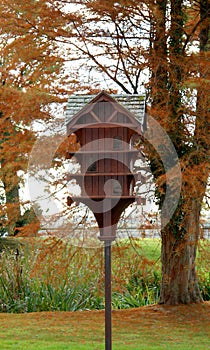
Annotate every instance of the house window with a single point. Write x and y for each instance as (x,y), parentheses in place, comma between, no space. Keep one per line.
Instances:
(117,142)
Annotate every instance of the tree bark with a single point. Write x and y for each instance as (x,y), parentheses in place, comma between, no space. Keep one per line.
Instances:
(158,62)
(179,280)
(11,188)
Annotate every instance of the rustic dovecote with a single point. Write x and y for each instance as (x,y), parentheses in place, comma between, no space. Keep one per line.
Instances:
(105,127)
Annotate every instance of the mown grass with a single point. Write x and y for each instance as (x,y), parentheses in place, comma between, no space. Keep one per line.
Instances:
(151,327)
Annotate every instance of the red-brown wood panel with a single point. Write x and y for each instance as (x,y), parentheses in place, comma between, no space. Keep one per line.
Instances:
(101,136)
(88,139)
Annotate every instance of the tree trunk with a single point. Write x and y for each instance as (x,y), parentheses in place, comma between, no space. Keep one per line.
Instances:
(179,280)
(13,211)
(180,236)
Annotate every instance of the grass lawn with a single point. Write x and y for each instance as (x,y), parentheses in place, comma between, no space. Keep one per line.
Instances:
(151,327)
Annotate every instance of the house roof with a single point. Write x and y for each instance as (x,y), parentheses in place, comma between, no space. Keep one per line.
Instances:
(135,104)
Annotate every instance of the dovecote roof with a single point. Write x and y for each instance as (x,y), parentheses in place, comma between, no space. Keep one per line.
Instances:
(135,104)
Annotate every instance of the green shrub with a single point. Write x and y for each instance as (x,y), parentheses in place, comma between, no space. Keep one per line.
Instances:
(204,283)
(140,291)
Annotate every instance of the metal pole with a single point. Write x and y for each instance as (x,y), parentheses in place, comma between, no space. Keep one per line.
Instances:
(108,296)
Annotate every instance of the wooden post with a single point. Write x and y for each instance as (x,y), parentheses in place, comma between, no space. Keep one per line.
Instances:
(107,232)
(108,295)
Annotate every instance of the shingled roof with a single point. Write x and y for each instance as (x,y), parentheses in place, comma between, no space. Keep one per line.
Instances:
(135,104)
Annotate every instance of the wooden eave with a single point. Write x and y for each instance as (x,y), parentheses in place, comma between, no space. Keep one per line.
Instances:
(73,124)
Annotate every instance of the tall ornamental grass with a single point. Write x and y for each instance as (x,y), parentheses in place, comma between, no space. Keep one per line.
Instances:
(51,275)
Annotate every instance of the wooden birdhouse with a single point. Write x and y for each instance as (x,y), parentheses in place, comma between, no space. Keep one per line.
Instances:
(105,129)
